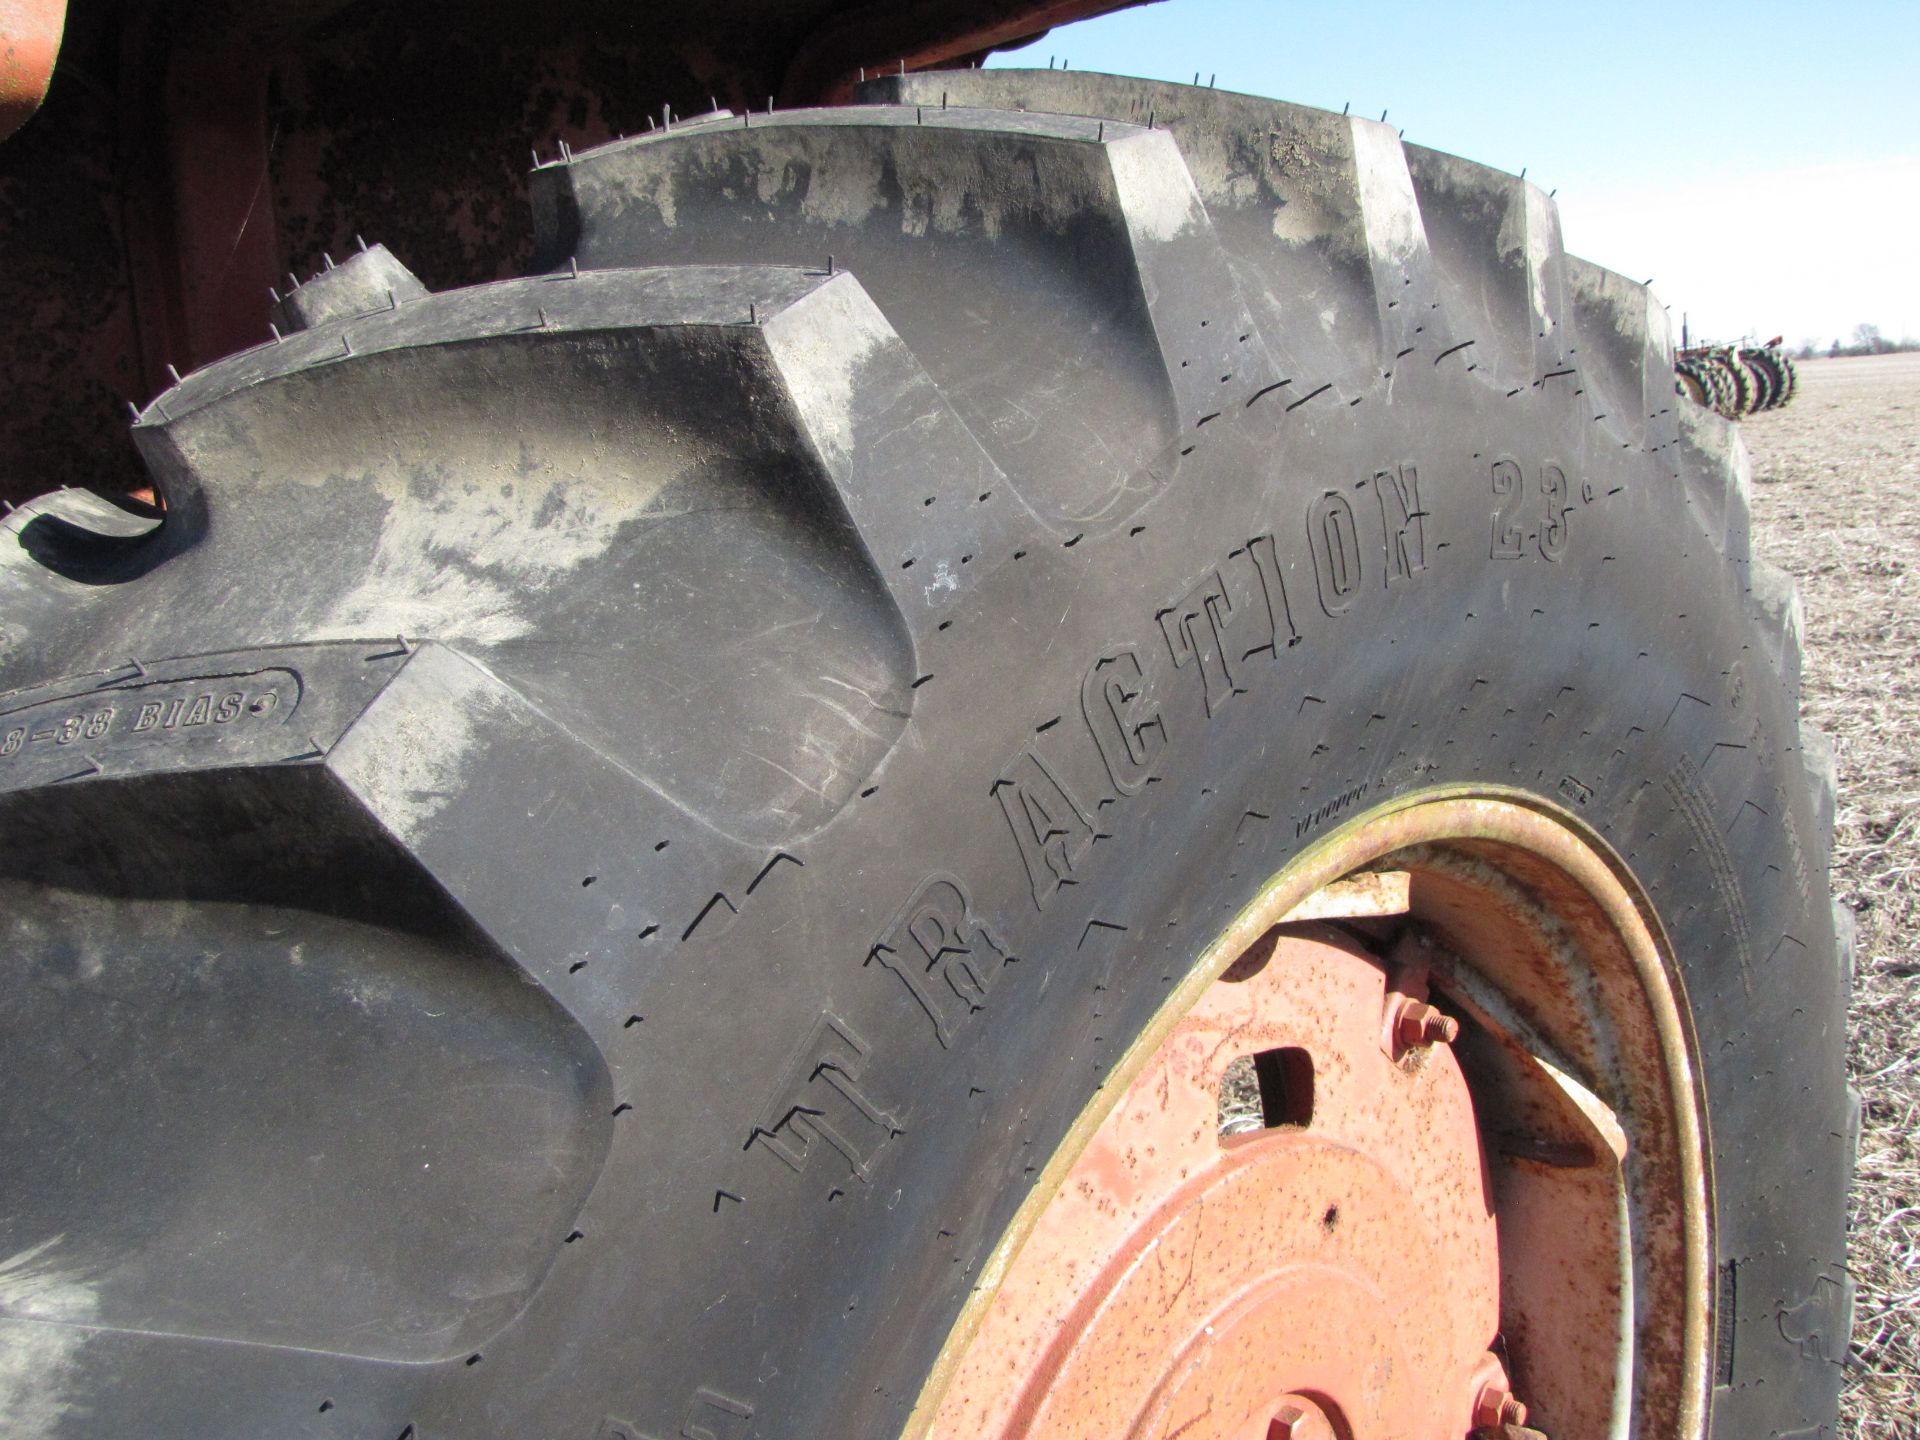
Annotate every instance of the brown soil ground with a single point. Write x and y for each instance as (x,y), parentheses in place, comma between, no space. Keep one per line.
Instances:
(1836,502)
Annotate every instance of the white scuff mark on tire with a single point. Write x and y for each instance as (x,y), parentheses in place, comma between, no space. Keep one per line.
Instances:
(1543,244)
(944,580)
(821,344)
(1530,233)
(38,1361)
(611,189)
(1396,235)
(409,756)
(450,603)
(846,187)
(1156,191)
(1299,222)
(488,545)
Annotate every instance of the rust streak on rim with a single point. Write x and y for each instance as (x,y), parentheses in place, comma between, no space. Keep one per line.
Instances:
(1487,820)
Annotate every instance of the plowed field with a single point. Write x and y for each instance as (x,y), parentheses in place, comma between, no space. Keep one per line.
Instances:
(1836,502)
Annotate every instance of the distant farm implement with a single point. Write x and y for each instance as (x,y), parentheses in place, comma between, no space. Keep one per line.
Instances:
(1735,380)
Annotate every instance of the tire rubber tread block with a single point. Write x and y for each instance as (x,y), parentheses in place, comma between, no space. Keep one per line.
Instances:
(496,423)
(1496,242)
(1625,349)
(1317,210)
(1003,248)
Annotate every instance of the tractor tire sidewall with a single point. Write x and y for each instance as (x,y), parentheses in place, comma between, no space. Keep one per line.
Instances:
(1619,678)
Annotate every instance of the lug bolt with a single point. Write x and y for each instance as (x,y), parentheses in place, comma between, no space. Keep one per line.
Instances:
(1496,1406)
(1418,1024)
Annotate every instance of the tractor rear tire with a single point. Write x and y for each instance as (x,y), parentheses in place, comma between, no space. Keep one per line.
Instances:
(1789,372)
(576,880)
(1691,382)
(1739,396)
(1763,384)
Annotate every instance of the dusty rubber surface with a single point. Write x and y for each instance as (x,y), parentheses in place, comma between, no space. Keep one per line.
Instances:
(755,717)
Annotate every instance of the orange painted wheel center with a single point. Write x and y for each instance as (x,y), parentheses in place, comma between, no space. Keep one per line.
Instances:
(1334,1274)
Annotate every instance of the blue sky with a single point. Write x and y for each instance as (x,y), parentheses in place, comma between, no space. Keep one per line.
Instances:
(1760,161)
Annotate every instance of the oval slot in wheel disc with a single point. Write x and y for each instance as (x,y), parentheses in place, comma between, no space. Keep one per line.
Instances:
(1334,1271)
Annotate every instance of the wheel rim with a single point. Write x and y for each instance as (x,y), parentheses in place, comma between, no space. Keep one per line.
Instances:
(1410,1218)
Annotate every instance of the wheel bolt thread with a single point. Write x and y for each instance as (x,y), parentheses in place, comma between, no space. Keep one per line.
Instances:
(1419,1024)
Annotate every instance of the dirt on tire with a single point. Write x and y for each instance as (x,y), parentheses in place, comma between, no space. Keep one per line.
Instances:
(680,633)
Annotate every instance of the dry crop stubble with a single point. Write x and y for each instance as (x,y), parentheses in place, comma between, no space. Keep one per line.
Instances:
(1836,503)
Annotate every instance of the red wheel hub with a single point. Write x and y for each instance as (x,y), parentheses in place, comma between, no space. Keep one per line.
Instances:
(1333,1272)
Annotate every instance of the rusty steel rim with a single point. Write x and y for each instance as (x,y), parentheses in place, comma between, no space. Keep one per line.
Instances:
(1477,1182)
(30,33)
